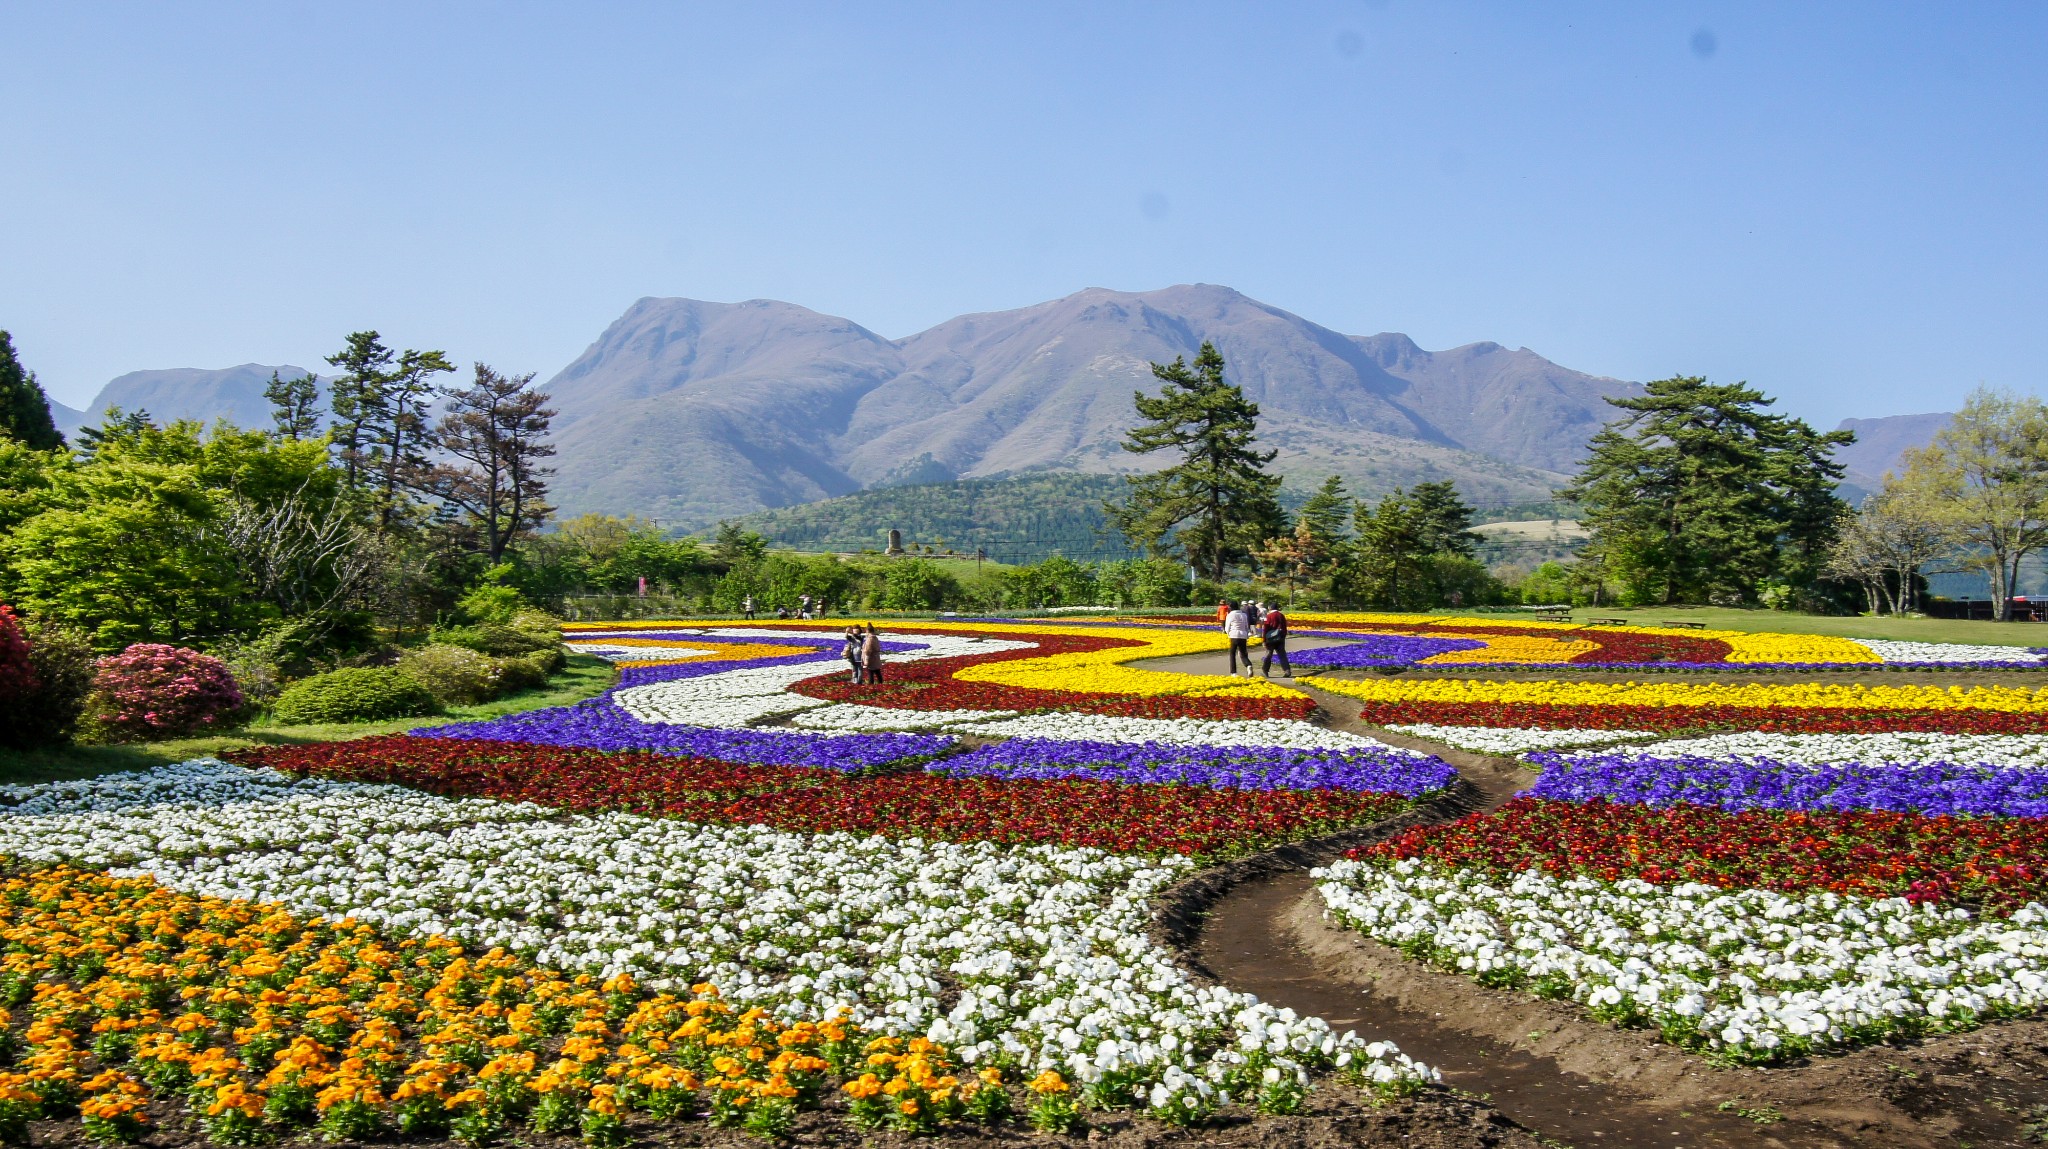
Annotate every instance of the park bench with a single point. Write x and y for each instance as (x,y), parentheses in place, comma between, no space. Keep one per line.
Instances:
(1608,621)
(1685,625)
(1553,616)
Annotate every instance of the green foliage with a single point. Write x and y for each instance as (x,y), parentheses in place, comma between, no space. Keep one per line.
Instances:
(1217,501)
(1697,494)
(917,584)
(454,675)
(24,408)
(353,694)
(1019,518)
(491,602)
(294,405)
(496,638)
(1413,550)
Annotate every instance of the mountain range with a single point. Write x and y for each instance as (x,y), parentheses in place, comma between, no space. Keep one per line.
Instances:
(687,411)
(692,411)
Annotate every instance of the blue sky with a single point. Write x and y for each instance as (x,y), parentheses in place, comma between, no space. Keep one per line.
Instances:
(1842,204)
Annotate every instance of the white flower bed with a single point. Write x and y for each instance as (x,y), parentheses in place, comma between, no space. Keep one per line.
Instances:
(1753,974)
(1516,739)
(2025,750)
(1180,731)
(742,697)
(1892,651)
(1046,946)
(854,716)
(223,808)
(612,652)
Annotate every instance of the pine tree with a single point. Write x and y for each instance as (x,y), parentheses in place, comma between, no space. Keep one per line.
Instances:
(1698,493)
(294,405)
(24,408)
(1443,520)
(496,429)
(361,401)
(1218,500)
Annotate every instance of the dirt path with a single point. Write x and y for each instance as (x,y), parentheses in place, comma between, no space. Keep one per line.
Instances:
(1258,927)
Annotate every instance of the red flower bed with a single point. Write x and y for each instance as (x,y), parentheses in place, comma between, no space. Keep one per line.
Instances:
(1998,862)
(930,685)
(1113,816)
(1789,719)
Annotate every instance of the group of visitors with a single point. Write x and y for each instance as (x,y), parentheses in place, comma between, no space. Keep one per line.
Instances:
(806,608)
(1241,621)
(864,654)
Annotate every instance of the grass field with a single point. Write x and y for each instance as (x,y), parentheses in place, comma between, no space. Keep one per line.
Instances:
(580,678)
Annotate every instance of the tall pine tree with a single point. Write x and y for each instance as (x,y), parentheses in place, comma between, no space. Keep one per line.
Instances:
(1698,493)
(1217,499)
(294,405)
(24,409)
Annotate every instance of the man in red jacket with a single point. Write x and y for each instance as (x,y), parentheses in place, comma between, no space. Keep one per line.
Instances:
(1273,633)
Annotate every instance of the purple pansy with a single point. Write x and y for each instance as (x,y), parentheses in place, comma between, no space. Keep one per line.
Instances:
(1231,767)
(602,725)
(1766,784)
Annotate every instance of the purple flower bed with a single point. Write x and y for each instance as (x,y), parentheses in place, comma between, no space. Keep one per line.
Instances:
(601,725)
(1763,784)
(1380,650)
(1225,767)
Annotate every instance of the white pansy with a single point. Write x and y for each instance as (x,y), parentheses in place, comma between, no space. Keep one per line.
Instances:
(2027,750)
(1894,651)
(612,652)
(1751,973)
(853,716)
(1045,947)
(1516,739)
(1290,733)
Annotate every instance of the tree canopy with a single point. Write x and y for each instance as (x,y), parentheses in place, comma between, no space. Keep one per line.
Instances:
(1217,500)
(1699,494)
(24,408)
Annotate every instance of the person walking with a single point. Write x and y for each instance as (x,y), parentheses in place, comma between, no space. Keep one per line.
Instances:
(853,652)
(1273,631)
(1222,611)
(1238,628)
(747,606)
(871,655)
(803,606)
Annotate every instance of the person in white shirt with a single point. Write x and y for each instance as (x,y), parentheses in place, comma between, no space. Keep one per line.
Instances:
(1237,627)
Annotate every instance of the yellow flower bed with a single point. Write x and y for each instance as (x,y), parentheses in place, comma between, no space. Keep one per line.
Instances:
(266,1024)
(1763,694)
(1510,648)
(1103,672)
(1795,648)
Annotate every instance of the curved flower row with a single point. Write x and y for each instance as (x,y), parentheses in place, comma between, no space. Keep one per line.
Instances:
(1046,946)
(1751,783)
(262,1023)
(1199,822)
(1748,974)
(1991,861)
(1386,771)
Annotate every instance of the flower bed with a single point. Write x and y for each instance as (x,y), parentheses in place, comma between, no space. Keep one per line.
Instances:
(1149,819)
(602,725)
(1385,771)
(1663,779)
(1043,948)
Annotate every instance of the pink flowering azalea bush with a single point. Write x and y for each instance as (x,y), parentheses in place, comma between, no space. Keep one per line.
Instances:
(155,691)
(17,670)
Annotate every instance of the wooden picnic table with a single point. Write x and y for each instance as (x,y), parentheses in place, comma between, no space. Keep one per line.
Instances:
(1608,621)
(1686,625)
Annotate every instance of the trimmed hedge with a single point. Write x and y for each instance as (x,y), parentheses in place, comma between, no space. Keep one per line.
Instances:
(353,695)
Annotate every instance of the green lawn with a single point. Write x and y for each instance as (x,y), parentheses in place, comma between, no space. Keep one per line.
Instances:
(580,678)
(1908,629)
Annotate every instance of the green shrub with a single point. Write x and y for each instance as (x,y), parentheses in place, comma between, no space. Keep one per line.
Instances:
(353,695)
(495,639)
(454,675)
(520,673)
(491,603)
(549,660)
(538,622)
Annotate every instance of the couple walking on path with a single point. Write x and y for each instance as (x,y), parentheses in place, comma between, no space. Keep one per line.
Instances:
(1240,620)
(864,654)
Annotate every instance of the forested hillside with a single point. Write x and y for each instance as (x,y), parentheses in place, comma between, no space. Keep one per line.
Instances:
(1018,519)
